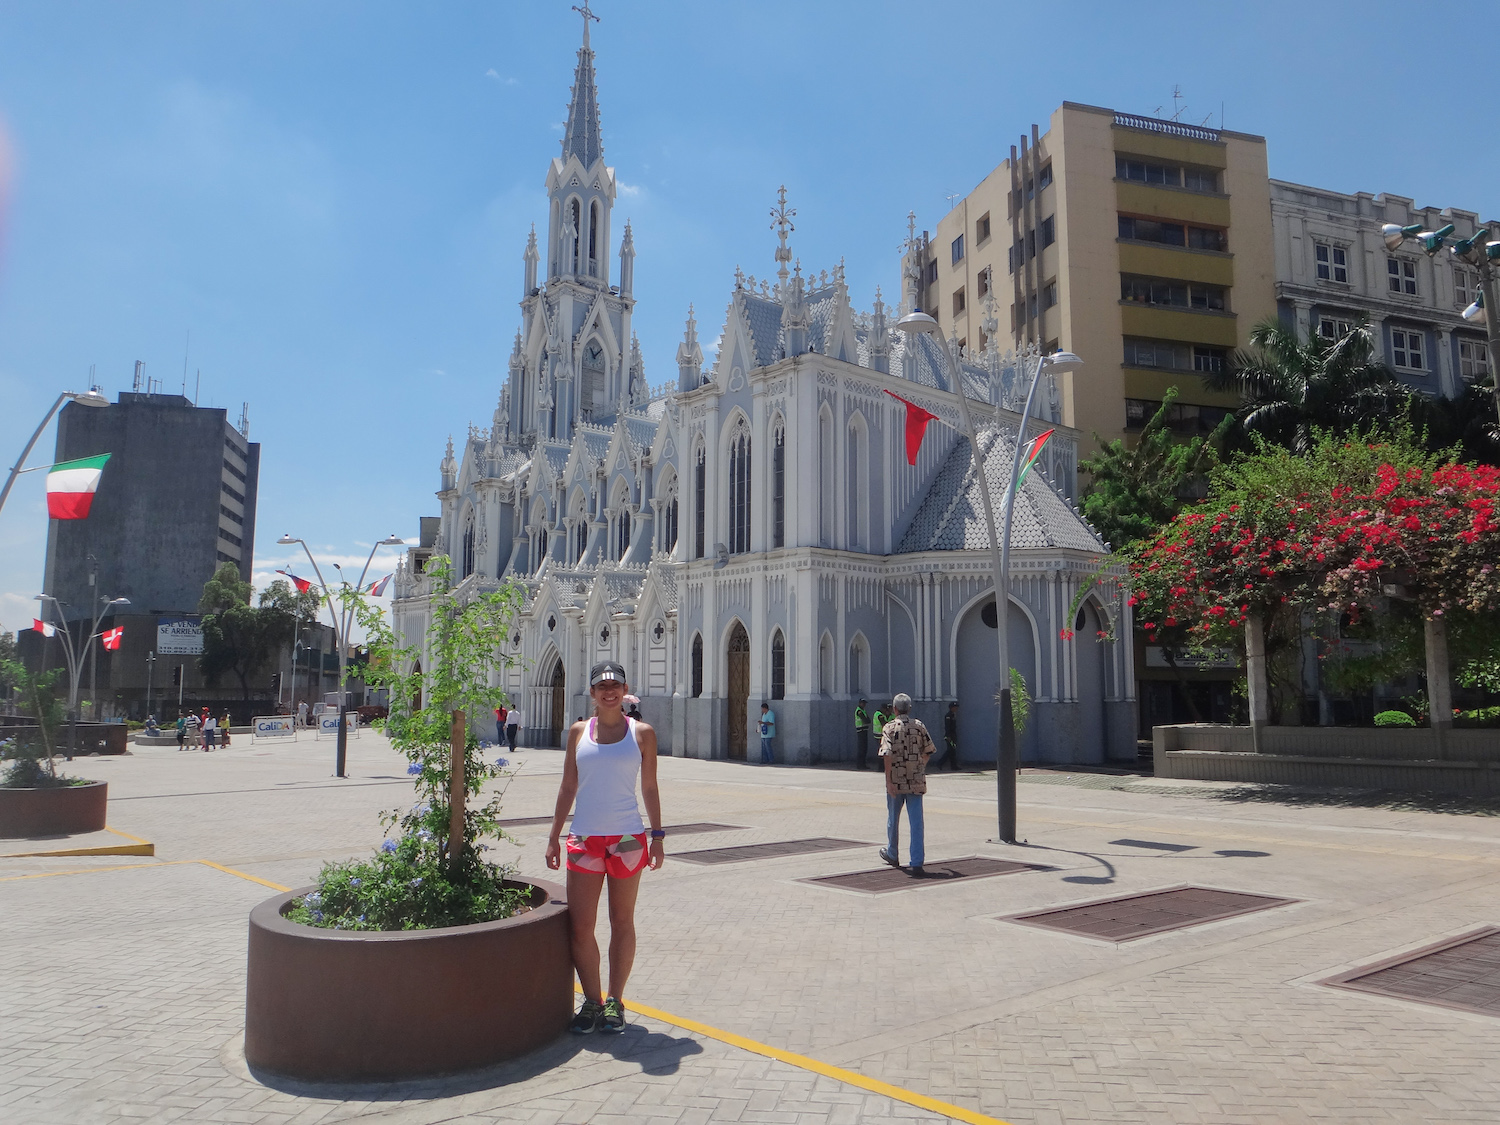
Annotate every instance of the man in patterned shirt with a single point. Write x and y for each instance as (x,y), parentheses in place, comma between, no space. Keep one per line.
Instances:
(905,747)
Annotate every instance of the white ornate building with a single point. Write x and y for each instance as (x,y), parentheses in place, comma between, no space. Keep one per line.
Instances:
(753,531)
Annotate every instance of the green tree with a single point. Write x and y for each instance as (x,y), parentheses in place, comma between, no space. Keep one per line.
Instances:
(302,606)
(33,761)
(238,638)
(1294,388)
(1133,491)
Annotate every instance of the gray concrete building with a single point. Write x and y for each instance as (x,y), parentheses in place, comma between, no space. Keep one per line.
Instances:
(1332,269)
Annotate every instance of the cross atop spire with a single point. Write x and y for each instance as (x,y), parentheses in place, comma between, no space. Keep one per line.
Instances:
(781,223)
(587,13)
(582,138)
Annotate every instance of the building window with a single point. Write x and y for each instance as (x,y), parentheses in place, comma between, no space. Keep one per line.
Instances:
(1401,276)
(1044,177)
(739,493)
(1173,355)
(697,671)
(1473,359)
(778,665)
(229,538)
(982,229)
(778,489)
(1465,288)
(1049,295)
(1153,230)
(932,272)
(223,511)
(699,485)
(1207,360)
(1200,179)
(541,548)
(1207,238)
(1049,230)
(669,533)
(581,537)
(467,566)
(622,533)
(1170,293)
(1031,307)
(1332,328)
(1182,417)
(1166,175)
(227,491)
(958,249)
(983,286)
(958,301)
(1406,349)
(1332,263)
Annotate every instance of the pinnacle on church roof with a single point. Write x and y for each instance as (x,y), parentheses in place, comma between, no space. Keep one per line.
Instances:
(582,138)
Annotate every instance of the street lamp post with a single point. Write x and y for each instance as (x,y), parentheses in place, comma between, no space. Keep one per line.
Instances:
(150,667)
(1479,252)
(91,397)
(75,657)
(343,618)
(1007,753)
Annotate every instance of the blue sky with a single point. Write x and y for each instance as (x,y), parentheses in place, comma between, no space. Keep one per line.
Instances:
(333,198)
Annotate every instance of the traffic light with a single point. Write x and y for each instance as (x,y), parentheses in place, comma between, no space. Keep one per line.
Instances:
(275,681)
(177,676)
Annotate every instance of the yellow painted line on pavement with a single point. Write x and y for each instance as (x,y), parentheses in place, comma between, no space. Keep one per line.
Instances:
(241,874)
(95,870)
(827,1070)
(139,847)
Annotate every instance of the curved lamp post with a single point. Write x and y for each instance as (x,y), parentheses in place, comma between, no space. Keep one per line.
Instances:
(1477,251)
(1007,753)
(343,618)
(75,655)
(91,397)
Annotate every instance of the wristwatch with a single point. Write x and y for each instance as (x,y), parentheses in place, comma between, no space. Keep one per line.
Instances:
(658,833)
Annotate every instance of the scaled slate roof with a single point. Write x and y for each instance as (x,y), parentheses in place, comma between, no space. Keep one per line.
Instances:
(763,316)
(951,517)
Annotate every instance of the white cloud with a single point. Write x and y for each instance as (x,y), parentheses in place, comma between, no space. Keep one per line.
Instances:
(494,74)
(711,353)
(629,191)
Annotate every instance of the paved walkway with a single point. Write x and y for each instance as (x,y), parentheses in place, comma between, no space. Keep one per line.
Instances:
(121,996)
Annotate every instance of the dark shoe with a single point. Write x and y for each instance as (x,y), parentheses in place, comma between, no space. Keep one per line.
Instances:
(917,871)
(613,1017)
(586,1022)
(889,858)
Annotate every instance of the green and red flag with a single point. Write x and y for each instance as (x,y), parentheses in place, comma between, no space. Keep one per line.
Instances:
(71,486)
(916,426)
(1029,455)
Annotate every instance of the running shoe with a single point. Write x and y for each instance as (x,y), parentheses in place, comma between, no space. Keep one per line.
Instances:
(613,1017)
(586,1022)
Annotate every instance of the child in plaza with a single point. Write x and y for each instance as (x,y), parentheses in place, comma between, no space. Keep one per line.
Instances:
(608,842)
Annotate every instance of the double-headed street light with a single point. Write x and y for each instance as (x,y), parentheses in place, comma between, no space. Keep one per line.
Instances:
(91,397)
(1478,251)
(76,656)
(343,618)
(1007,755)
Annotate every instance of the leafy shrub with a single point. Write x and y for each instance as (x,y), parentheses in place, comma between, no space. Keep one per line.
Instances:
(1478,717)
(1394,719)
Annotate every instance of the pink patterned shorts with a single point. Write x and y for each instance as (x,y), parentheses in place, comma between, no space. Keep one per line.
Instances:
(619,857)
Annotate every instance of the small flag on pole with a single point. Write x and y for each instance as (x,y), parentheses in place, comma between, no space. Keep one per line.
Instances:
(113,637)
(43,628)
(71,486)
(1030,454)
(378,588)
(302,584)
(916,426)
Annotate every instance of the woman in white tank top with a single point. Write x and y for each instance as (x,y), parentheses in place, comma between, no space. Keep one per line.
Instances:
(605,755)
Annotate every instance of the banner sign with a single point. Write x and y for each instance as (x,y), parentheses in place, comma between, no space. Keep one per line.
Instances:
(273,726)
(328,723)
(179,636)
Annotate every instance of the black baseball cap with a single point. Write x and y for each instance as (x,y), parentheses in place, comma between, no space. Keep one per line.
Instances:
(605,671)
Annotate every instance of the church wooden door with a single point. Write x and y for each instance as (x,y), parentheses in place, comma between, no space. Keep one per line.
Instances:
(738,664)
(559,703)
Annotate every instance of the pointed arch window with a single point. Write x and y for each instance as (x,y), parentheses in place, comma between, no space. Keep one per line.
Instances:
(739,492)
(582,535)
(467,567)
(669,523)
(593,239)
(825,474)
(541,548)
(573,250)
(697,665)
(778,488)
(778,665)
(622,533)
(700,481)
(858,478)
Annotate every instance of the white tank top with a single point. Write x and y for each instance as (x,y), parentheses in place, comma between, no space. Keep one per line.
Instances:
(606,804)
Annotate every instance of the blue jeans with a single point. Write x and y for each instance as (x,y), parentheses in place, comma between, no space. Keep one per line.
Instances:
(766,756)
(913,803)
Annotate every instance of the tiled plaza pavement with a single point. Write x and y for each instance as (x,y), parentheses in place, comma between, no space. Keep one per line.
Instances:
(121,991)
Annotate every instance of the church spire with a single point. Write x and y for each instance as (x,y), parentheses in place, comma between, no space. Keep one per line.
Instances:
(689,356)
(582,139)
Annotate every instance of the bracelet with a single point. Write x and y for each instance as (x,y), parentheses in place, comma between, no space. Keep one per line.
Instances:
(658,834)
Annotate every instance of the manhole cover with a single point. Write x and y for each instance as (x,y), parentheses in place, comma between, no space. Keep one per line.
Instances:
(883,880)
(1461,973)
(1138,916)
(690,829)
(769,851)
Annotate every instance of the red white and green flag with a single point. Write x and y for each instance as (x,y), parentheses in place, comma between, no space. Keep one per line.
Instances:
(1030,454)
(113,637)
(302,584)
(43,628)
(71,486)
(377,588)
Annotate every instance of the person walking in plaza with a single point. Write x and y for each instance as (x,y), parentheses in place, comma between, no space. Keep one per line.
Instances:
(224,729)
(302,712)
(905,747)
(767,733)
(500,713)
(950,738)
(862,735)
(210,724)
(605,755)
(194,726)
(512,727)
(181,729)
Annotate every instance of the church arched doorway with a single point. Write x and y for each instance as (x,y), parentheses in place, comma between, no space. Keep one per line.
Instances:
(978,669)
(559,703)
(1090,648)
(737,664)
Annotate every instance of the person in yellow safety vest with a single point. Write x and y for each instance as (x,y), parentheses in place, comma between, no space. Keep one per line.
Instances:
(881,718)
(862,733)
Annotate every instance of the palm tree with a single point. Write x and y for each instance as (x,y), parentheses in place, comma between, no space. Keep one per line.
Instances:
(1292,388)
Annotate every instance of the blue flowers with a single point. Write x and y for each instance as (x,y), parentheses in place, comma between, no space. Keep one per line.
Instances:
(389,847)
(501,763)
(417,882)
(414,768)
(313,901)
(354,882)
(317,916)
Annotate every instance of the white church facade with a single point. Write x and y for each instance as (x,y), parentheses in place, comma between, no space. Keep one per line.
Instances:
(752,530)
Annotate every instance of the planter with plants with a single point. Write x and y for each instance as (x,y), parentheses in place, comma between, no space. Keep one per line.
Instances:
(36,799)
(425,958)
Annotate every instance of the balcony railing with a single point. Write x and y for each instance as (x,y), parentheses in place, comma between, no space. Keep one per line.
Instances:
(1170,128)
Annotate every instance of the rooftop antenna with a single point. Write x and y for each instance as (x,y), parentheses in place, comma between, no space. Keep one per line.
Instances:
(92,383)
(197,383)
(244,426)
(135,384)
(1177,106)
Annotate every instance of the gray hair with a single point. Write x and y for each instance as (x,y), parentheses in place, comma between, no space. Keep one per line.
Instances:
(902,703)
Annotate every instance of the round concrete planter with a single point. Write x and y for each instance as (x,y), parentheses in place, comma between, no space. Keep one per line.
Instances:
(340,1006)
(62,810)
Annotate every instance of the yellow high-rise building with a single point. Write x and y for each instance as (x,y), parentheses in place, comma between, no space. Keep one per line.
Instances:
(1143,245)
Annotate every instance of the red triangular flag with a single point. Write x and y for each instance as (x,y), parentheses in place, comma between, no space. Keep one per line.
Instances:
(916,426)
(302,584)
(113,637)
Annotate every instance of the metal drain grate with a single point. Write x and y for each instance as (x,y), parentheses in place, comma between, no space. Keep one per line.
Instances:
(1157,912)
(884,880)
(672,829)
(1462,973)
(769,851)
